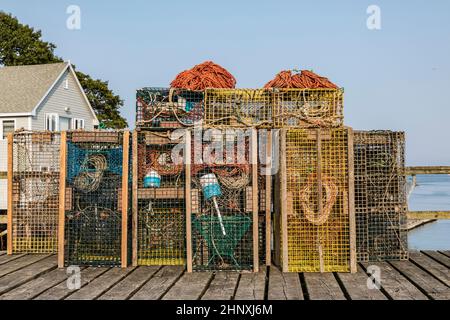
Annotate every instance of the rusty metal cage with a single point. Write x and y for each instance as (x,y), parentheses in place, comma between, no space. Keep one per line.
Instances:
(168,107)
(160,208)
(224,200)
(238,108)
(307,108)
(35,192)
(314,222)
(380,196)
(96,198)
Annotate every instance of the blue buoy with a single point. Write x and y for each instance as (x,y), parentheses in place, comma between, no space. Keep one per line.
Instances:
(152,180)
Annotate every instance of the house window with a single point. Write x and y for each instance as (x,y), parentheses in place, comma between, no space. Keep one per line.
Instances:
(7,126)
(77,124)
(51,122)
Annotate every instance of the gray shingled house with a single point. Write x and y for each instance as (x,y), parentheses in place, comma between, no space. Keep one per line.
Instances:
(40,97)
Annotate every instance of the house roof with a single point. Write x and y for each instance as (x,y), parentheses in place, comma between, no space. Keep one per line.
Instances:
(23,87)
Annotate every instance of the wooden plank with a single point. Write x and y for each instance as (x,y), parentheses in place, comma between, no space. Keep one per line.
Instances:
(268,200)
(125,173)
(130,284)
(351,202)
(2,253)
(62,195)
(21,276)
(283,203)
(396,285)
(429,215)
(436,269)
(4,258)
(356,286)
(433,288)
(188,201)
(101,284)
(20,263)
(155,288)
(319,194)
(222,286)
(33,288)
(189,287)
(427,170)
(134,204)
(61,290)
(161,193)
(443,259)
(323,286)
(9,234)
(251,286)
(446,253)
(284,286)
(254,150)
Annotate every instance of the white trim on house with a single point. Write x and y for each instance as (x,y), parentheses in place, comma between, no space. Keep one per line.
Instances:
(96,122)
(47,115)
(1,126)
(76,121)
(23,114)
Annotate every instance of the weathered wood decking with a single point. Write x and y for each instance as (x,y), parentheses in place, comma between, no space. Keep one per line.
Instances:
(425,276)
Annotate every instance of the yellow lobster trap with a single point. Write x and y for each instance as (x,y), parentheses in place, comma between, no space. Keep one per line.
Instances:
(314,221)
(159,206)
(237,108)
(34,192)
(307,108)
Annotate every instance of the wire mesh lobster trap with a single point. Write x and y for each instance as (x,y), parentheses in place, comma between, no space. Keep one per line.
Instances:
(307,108)
(160,212)
(168,107)
(35,192)
(237,108)
(224,200)
(380,196)
(96,198)
(314,225)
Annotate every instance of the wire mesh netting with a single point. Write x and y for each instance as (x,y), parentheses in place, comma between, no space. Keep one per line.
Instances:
(380,196)
(93,218)
(168,108)
(35,201)
(237,108)
(161,227)
(317,200)
(222,200)
(307,108)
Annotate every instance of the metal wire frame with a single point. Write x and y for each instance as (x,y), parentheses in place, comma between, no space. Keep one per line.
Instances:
(224,200)
(238,108)
(35,192)
(168,108)
(307,108)
(96,227)
(314,227)
(160,209)
(380,196)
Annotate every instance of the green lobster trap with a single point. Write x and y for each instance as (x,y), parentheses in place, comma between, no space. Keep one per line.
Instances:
(380,196)
(222,224)
(159,201)
(314,219)
(168,108)
(307,108)
(34,192)
(96,198)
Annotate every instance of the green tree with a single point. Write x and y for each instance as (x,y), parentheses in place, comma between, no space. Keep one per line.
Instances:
(22,45)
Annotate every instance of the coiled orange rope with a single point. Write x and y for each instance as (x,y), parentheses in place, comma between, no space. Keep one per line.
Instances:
(303,80)
(204,75)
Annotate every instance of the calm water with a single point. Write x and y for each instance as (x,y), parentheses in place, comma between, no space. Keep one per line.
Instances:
(432,193)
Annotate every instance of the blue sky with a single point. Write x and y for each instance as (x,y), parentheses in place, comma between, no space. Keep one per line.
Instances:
(394,78)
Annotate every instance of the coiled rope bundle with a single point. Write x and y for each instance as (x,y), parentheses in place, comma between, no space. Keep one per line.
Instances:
(91,173)
(303,80)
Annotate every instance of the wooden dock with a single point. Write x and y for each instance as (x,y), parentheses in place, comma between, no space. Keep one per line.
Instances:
(36,277)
